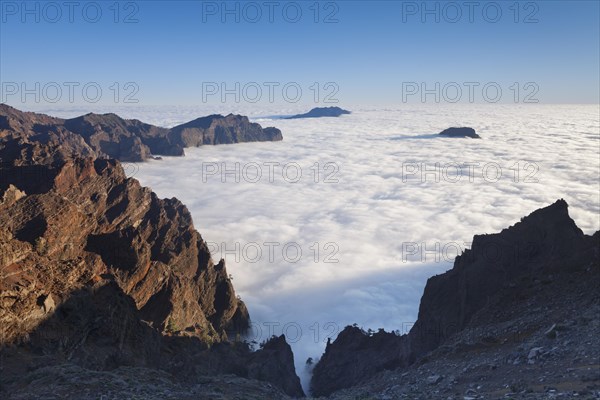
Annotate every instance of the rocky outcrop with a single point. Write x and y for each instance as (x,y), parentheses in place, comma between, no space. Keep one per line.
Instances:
(127,140)
(462,132)
(30,138)
(97,332)
(217,129)
(275,363)
(536,342)
(93,222)
(319,112)
(96,271)
(545,243)
(354,356)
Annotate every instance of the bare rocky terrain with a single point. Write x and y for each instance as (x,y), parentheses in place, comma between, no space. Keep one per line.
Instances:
(517,317)
(542,345)
(98,273)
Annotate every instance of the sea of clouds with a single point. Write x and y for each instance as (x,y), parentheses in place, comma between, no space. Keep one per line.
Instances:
(381,203)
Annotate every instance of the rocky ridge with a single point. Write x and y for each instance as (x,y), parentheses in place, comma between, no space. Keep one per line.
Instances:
(541,345)
(320,112)
(87,220)
(499,270)
(31,138)
(98,273)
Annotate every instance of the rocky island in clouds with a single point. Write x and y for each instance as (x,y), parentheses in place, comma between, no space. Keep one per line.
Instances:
(320,112)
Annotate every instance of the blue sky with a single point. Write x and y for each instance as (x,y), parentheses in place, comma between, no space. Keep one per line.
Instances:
(369,52)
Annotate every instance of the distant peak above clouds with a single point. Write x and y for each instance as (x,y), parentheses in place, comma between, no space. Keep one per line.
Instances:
(319,112)
(461,132)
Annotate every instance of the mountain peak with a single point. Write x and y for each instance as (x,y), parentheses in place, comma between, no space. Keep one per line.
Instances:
(319,112)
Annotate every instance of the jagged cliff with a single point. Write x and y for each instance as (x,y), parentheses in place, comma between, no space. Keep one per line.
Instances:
(98,272)
(37,138)
(90,221)
(217,129)
(496,269)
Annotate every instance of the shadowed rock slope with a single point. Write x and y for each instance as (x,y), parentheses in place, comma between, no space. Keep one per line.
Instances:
(29,137)
(498,268)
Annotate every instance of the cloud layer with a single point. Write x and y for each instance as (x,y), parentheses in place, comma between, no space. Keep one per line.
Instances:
(404,202)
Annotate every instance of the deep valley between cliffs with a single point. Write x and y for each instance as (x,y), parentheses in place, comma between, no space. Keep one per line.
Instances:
(108,290)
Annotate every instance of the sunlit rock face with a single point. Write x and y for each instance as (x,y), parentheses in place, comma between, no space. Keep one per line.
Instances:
(38,138)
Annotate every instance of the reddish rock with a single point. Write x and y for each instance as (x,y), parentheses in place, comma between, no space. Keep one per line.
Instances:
(98,271)
(95,221)
(29,138)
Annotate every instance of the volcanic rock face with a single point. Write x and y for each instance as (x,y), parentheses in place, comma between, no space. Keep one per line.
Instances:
(538,341)
(460,133)
(545,243)
(93,222)
(97,272)
(217,129)
(127,140)
(354,356)
(275,363)
(36,138)
(319,112)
